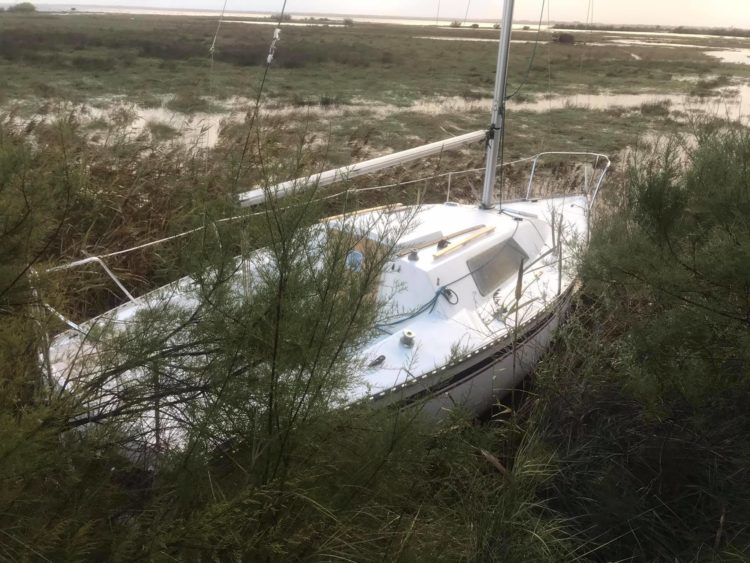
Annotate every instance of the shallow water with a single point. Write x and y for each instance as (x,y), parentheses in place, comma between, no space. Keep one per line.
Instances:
(204,129)
(732,102)
(734,56)
(641,42)
(471,39)
(656,34)
(287,24)
(198,129)
(614,42)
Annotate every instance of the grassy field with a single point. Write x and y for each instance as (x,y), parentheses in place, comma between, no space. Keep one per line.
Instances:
(354,91)
(79,56)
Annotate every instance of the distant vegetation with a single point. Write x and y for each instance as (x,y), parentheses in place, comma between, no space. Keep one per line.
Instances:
(287,17)
(23,7)
(707,86)
(564,38)
(725,31)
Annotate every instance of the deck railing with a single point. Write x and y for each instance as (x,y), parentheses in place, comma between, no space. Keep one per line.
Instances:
(600,162)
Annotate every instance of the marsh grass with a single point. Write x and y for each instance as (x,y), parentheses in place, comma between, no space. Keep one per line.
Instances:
(660,108)
(78,56)
(707,86)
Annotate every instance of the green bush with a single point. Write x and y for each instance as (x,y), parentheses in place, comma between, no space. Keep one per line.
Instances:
(564,38)
(648,390)
(23,8)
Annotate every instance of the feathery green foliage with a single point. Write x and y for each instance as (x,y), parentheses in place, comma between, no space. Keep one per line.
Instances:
(648,391)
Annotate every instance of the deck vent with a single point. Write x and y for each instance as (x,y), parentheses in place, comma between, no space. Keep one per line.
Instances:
(407,338)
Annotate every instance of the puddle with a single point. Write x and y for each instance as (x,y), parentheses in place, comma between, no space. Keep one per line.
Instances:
(634,43)
(733,56)
(197,129)
(471,39)
(287,24)
(733,101)
(641,42)
(581,40)
(652,34)
(99,115)
(442,23)
(203,130)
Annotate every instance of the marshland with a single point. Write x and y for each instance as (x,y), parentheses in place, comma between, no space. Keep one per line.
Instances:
(630,442)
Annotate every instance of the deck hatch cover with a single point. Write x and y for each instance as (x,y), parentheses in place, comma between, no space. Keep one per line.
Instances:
(496,265)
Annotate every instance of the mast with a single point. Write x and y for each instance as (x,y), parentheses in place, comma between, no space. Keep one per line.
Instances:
(497,125)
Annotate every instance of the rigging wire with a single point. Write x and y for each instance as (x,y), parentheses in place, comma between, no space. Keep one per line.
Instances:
(549,80)
(533,54)
(212,50)
(256,108)
(589,25)
(466,15)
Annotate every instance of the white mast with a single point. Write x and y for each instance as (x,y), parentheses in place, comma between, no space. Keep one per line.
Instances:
(497,125)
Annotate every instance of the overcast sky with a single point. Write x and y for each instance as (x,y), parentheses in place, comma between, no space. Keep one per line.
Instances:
(724,13)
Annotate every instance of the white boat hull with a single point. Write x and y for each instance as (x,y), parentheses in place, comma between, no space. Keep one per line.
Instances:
(476,382)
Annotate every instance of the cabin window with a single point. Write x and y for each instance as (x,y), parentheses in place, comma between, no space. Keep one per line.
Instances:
(495,265)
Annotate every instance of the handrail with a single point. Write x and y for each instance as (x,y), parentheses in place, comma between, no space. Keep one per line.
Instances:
(534,159)
(599,182)
(96,260)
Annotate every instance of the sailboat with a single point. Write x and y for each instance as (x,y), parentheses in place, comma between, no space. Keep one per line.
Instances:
(475,292)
